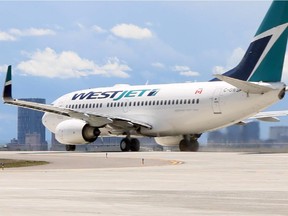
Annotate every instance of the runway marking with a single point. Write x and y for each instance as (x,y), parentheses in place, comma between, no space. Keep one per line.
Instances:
(176,162)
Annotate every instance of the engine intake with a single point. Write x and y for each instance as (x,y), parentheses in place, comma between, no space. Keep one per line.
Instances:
(75,131)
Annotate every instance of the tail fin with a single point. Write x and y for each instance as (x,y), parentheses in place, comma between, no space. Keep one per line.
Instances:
(264,58)
(7,91)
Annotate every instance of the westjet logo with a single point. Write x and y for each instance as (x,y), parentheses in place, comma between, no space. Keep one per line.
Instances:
(115,95)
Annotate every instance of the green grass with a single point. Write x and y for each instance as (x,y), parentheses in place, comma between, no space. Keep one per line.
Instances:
(11,163)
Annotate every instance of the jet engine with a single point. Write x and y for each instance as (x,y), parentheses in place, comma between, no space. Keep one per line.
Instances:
(168,140)
(75,131)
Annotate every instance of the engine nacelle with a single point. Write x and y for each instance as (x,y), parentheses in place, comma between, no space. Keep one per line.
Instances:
(168,140)
(75,131)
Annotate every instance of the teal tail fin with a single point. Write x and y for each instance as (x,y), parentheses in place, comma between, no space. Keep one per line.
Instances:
(7,92)
(264,58)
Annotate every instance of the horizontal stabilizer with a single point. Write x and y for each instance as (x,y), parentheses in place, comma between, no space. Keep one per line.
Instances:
(270,116)
(269,119)
(245,86)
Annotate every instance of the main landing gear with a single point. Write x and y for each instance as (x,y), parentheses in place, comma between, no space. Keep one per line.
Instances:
(70,147)
(128,143)
(189,143)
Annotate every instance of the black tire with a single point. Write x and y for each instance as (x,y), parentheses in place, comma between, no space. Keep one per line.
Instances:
(135,145)
(70,147)
(183,145)
(125,144)
(194,146)
(189,146)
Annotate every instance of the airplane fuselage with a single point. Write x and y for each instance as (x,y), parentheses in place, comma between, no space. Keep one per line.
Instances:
(172,109)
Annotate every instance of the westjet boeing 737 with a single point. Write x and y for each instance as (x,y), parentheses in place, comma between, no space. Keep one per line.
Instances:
(175,114)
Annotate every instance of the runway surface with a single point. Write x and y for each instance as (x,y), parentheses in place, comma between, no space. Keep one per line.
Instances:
(168,183)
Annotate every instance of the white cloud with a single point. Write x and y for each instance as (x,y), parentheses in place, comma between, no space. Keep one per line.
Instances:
(14,33)
(232,61)
(98,29)
(68,64)
(181,68)
(158,65)
(3,68)
(189,73)
(4,36)
(185,70)
(130,31)
(80,25)
(31,32)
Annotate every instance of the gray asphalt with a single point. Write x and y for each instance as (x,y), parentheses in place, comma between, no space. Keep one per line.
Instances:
(168,183)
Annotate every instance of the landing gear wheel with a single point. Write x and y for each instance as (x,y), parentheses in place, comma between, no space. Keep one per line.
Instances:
(135,145)
(194,145)
(191,146)
(183,145)
(125,144)
(70,147)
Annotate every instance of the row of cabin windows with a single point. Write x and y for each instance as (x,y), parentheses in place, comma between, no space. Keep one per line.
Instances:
(135,103)
(83,106)
(153,103)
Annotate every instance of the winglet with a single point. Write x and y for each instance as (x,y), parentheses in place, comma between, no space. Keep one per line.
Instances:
(7,91)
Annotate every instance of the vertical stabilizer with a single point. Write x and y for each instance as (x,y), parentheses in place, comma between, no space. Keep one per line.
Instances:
(264,58)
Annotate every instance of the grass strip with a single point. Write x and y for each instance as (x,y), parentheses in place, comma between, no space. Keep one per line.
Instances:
(11,163)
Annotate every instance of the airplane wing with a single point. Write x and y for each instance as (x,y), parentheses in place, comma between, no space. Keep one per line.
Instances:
(96,120)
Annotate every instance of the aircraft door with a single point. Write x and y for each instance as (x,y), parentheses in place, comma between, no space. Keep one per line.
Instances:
(216,101)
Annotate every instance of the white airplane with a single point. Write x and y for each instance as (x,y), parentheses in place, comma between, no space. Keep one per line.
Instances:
(175,114)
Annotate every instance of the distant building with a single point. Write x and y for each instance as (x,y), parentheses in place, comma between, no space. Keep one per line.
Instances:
(251,132)
(236,135)
(31,131)
(279,133)
(216,137)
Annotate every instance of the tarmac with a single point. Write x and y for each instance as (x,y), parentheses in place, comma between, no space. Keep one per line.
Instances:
(145,183)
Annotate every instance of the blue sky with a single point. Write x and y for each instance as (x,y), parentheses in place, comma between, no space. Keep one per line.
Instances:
(58,47)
